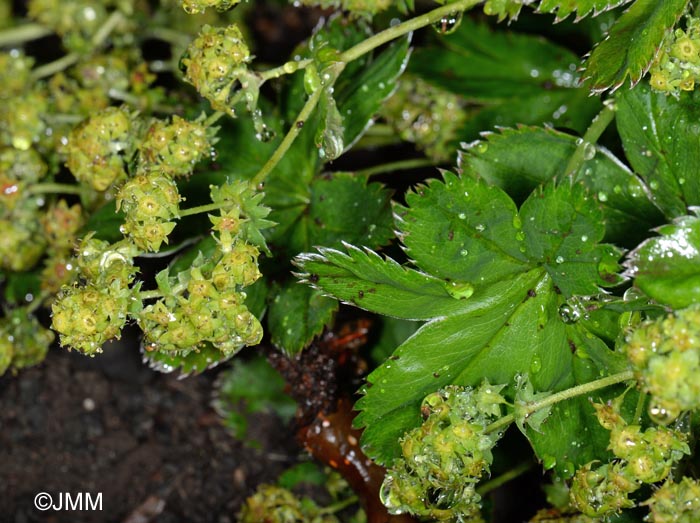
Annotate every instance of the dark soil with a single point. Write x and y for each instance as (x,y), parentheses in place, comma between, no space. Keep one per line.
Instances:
(148,442)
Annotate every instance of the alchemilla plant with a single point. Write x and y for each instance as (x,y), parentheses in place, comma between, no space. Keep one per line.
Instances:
(547,277)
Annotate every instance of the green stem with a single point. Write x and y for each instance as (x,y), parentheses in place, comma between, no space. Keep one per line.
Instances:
(150,295)
(351,54)
(54,188)
(37,302)
(340,505)
(406,27)
(23,33)
(401,165)
(287,68)
(66,61)
(640,407)
(123,96)
(598,125)
(567,394)
(289,138)
(201,209)
(504,478)
(174,38)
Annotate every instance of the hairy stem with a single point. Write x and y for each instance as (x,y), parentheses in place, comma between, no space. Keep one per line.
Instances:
(563,395)
(70,59)
(598,125)
(23,33)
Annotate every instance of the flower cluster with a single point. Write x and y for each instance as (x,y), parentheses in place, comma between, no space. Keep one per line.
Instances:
(194,7)
(642,457)
(274,504)
(88,315)
(206,303)
(215,62)
(677,66)
(665,354)
(444,458)
(675,502)
(427,116)
(23,341)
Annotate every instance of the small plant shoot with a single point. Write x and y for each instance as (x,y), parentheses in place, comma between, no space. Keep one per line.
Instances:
(462,235)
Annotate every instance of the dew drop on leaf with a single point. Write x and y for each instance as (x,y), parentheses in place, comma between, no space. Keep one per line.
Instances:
(549,462)
(569,314)
(559,260)
(520,236)
(535,365)
(460,290)
(588,151)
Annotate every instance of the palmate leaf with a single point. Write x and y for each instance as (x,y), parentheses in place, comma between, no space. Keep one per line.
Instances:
(508,78)
(518,160)
(490,281)
(632,43)
(582,8)
(661,138)
(667,267)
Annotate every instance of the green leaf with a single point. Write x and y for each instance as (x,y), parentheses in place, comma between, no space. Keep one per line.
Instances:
(661,138)
(307,472)
(493,311)
(514,79)
(19,285)
(194,362)
(632,43)
(105,222)
(363,94)
(297,314)
(518,160)
(582,8)
(667,267)
(332,208)
(249,387)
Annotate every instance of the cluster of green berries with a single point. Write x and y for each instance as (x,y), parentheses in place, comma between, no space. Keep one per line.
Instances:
(88,314)
(273,504)
(675,502)
(425,115)
(194,7)
(21,241)
(215,63)
(23,341)
(677,66)
(665,355)
(642,457)
(98,148)
(444,459)
(212,310)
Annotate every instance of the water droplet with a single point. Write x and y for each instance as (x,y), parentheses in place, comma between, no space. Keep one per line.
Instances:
(535,365)
(569,314)
(464,252)
(462,216)
(589,151)
(459,290)
(482,147)
(559,259)
(617,189)
(448,23)
(549,462)
(602,196)
(517,222)
(584,238)
(480,227)
(654,185)
(520,236)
